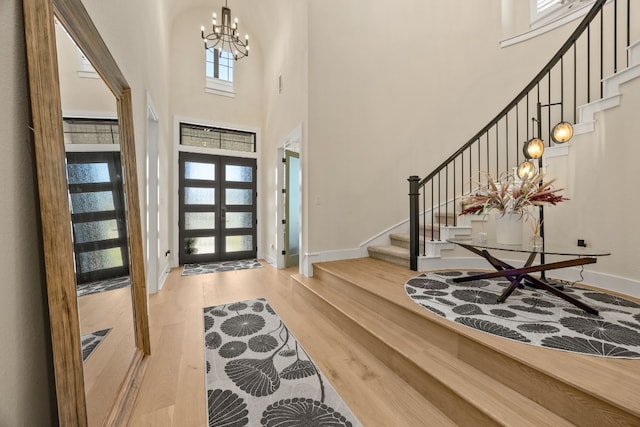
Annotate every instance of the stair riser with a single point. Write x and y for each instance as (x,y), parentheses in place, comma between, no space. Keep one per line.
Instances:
(459,410)
(559,397)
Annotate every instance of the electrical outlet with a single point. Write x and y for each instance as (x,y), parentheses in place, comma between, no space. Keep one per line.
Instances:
(582,243)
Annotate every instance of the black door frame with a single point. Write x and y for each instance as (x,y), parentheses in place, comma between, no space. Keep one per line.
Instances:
(115,186)
(220,208)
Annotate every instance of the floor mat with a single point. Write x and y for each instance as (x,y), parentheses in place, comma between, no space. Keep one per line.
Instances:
(533,316)
(258,374)
(216,267)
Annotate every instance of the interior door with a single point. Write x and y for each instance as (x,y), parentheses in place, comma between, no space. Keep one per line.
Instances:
(217,207)
(292,210)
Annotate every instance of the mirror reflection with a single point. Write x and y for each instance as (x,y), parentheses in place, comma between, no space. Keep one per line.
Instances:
(97,204)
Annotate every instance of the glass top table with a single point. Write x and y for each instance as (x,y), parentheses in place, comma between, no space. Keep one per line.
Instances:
(577,256)
(576,251)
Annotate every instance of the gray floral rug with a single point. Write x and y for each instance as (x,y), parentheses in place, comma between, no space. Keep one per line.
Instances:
(533,316)
(102,286)
(91,341)
(258,374)
(216,267)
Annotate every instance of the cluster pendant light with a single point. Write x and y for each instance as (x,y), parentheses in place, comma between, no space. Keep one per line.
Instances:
(534,148)
(225,36)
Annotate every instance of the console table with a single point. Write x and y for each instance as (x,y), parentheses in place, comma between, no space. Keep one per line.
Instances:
(578,256)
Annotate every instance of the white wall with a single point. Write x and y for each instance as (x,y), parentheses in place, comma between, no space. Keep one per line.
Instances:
(26,371)
(288,58)
(599,177)
(188,98)
(138,35)
(80,94)
(395,87)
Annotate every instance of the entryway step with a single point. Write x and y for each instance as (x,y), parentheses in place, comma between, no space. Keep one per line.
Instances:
(462,392)
(583,390)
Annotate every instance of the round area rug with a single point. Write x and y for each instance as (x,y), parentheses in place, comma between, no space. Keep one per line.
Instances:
(533,316)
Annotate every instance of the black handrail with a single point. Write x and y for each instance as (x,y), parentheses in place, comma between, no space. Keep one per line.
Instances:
(491,134)
(536,80)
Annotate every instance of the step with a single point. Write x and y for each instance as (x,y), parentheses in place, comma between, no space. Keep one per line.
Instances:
(559,381)
(377,396)
(466,395)
(390,253)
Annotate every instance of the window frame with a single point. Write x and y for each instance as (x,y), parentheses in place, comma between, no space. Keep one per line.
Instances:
(213,83)
(555,11)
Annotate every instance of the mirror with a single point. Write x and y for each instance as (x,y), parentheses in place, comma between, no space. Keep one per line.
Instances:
(94,393)
(100,244)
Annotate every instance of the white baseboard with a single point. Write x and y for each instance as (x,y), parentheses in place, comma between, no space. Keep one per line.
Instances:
(597,279)
(270,260)
(310,258)
(163,276)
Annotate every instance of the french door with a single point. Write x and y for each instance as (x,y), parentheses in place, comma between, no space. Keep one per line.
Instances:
(97,215)
(217,208)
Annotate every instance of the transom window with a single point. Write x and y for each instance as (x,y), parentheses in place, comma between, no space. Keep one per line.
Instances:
(90,131)
(219,71)
(211,137)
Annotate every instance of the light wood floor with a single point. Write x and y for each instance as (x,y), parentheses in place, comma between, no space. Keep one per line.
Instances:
(107,366)
(173,390)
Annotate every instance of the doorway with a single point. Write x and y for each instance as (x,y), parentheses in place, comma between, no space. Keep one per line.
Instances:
(292,209)
(217,208)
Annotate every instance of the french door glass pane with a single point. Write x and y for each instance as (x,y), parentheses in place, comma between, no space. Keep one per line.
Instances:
(237,196)
(199,220)
(99,260)
(96,230)
(200,245)
(239,243)
(84,173)
(235,173)
(98,201)
(239,220)
(199,196)
(200,171)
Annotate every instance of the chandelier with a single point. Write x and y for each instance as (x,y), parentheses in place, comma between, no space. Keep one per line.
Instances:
(225,36)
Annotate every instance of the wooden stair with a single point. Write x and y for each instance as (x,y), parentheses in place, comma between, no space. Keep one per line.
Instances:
(472,377)
(397,251)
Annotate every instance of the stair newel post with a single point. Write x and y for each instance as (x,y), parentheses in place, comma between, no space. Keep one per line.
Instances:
(414,221)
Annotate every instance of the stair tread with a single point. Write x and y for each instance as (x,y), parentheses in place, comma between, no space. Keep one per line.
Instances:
(501,402)
(382,280)
(390,249)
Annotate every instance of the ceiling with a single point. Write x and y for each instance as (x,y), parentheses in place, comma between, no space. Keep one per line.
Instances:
(256,17)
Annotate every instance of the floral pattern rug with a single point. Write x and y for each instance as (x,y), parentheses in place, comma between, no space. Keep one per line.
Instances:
(258,374)
(91,341)
(216,267)
(102,286)
(533,316)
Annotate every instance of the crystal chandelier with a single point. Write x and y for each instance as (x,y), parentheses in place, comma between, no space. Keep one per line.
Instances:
(225,36)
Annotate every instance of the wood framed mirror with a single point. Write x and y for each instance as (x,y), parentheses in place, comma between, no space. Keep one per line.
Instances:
(53,188)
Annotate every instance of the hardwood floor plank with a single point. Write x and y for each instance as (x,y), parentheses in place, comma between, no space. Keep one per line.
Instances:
(173,393)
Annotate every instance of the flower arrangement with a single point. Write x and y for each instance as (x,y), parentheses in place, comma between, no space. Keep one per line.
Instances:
(506,195)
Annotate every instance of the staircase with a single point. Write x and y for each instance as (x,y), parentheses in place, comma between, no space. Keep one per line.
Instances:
(397,251)
(575,85)
(474,379)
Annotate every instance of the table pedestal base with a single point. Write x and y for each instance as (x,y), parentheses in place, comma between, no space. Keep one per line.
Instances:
(516,275)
